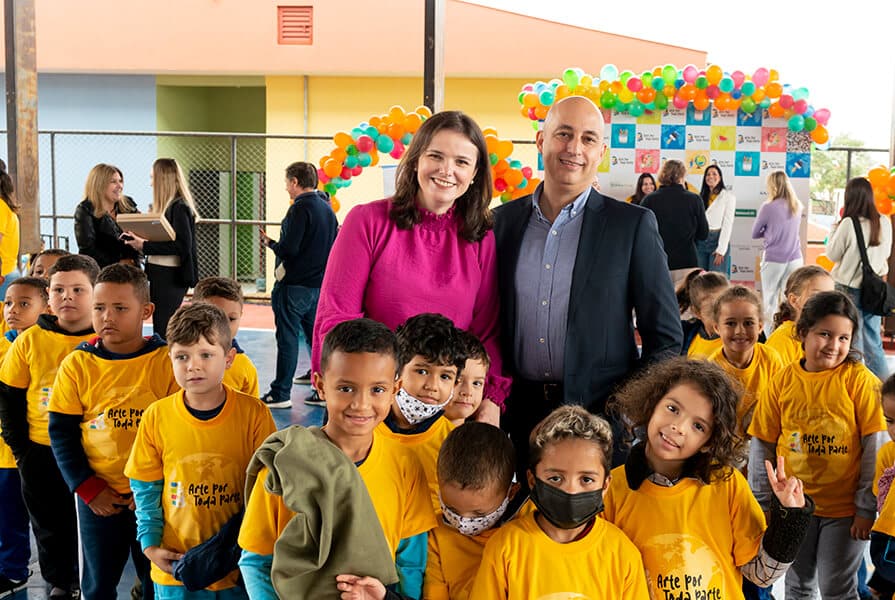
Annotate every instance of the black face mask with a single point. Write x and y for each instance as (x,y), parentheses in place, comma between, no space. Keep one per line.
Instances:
(564,510)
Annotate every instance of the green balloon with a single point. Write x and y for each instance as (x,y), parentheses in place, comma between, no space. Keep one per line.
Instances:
(570,78)
(669,73)
(661,101)
(702,82)
(748,105)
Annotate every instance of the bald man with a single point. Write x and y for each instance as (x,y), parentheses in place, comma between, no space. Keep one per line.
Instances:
(573,265)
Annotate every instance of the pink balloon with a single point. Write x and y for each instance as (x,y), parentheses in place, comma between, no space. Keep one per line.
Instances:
(528,87)
(346,173)
(364,143)
(526,172)
(357,170)
(738,78)
(397,151)
(822,116)
(712,92)
(323,177)
(786,101)
(761,76)
(690,73)
(679,101)
(634,84)
(800,106)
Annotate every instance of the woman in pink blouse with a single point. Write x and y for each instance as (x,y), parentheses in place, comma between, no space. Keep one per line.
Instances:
(429,248)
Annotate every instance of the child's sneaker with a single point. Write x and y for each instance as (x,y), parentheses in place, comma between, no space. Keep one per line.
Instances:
(272,402)
(302,379)
(8,586)
(314,400)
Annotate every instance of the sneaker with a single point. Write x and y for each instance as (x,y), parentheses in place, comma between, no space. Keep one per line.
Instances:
(8,586)
(314,400)
(271,402)
(303,379)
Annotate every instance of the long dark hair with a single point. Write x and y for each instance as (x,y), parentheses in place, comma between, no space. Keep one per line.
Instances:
(638,193)
(7,189)
(706,192)
(472,206)
(824,304)
(859,204)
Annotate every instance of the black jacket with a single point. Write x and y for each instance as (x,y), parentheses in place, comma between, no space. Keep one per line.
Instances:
(307,234)
(98,237)
(619,267)
(681,218)
(182,221)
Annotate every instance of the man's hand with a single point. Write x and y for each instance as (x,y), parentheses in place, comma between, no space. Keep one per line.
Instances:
(360,588)
(108,502)
(488,412)
(162,558)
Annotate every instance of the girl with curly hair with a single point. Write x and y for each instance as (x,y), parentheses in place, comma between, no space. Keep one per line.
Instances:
(680,498)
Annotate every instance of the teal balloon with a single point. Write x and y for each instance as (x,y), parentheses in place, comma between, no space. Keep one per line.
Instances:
(570,78)
(748,88)
(658,83)
(515,164)
(547,97)
(765,103)
(522,184)
(406,139)
(371,131)
(726,85)
(796,123)
(364,159)
(800,94)
(385,143)
(669,73)
(636,109)
(351,161)
(609,72)
(357,131)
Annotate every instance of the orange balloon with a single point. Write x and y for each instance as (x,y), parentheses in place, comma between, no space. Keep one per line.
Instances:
(491,141)
(714,74)
(890,185)
(701,102)
(773,75)
(339,154)
(758,95)
(374,157)
(396,130)
(423,111)
(883,205)
(646,95)
(375,121)
(820,135)
(878,176)
(412,122)
(776,111)
(722,102)
(523,110)
(334,203)
(489,131)
(342,139)
(501,167)
(615,87)
(332,168)
(504,148)
(541,112)
(530,100)
(396,114)
(514,177)
(688,91)
(773,89)
(824,261)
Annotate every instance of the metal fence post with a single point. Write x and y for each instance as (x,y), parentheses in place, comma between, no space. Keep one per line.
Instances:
(233,254)
(55,243)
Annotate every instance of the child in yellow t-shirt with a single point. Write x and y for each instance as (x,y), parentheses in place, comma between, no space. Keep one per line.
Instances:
(26,299)
(26,384)
(802,283)
(187,466)
(737,314)
(358,381)
(697,295)
(226,294)
(99,395)
(475,482)
(470,388)
(821,414)
(563,549)
(882,537)
(681,500)
(43,260)
(431,357)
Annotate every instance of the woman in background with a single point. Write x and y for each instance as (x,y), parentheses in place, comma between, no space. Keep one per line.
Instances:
(96,227)
(170,266)
(720,205)
(646,184)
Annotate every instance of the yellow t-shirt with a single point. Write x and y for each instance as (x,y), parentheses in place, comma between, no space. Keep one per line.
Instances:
(452,563)
(817,421)
(110,395)
(202,464)
(242,375)
(426,446)
(396,484)
(785,341)
(701,347)
(31,363)
(885,458)
(521,561)
(693,536)
(754,378)
(9,245)
(7,460)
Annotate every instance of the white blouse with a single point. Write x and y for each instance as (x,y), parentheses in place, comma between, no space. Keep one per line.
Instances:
(720,216)
(842,249)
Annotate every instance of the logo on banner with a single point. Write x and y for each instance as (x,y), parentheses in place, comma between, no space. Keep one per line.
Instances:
(674,116)
(749,138)
(649,136)
(724,161)
(699,138)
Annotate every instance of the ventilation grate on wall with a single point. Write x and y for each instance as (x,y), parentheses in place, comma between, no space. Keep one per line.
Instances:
(295,25)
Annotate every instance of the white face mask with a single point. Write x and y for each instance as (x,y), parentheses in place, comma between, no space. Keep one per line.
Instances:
(415,410)
(472,526)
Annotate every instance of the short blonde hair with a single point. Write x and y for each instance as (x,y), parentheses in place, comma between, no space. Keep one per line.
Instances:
(570,423)
(672,172)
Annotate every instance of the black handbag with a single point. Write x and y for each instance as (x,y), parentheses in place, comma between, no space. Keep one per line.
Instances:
(877,296)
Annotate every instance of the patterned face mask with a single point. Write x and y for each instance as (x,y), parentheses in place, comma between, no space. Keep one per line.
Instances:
(415,410)
(473,526)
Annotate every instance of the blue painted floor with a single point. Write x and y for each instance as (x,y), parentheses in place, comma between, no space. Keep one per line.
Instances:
(261,347)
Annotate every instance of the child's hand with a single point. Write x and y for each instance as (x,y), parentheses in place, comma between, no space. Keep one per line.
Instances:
(787,489)
(488,412)
(360,588)
(162,558)
(108,502)
(860,528)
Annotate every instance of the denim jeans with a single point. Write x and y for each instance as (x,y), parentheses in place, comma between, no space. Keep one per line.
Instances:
(105,545)
(705,254)
(868,340)
(15,547)
(294,310)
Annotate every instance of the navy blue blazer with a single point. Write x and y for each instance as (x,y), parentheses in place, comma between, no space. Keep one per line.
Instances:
(620,266)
